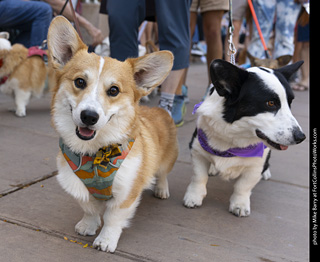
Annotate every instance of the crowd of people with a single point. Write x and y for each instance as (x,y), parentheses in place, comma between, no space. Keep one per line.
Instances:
(286,22)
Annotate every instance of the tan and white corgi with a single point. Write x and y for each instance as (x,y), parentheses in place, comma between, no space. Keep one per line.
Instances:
(23,73)
(105,134)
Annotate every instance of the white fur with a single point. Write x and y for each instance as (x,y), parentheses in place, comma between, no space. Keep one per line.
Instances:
(5,44)
(68,109)
(241,133)
(115,218)
(21,97)
(92,102)
(279,128)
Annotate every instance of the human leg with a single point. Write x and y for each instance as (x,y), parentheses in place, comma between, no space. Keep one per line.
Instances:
(174,35)
(30,17)
(287,13)
(212,32)
(265,11)
(174,32)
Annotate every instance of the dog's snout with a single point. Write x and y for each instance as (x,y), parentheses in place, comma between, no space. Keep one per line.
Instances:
(89,117)
(298,135)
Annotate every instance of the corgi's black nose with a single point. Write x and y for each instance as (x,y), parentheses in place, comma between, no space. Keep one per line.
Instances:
(89,117)
(298,135)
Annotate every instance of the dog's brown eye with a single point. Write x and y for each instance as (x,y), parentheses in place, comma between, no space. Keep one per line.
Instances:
(113,91)
(271,103)
(80,83)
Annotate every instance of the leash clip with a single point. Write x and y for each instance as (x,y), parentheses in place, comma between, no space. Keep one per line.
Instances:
(232,50)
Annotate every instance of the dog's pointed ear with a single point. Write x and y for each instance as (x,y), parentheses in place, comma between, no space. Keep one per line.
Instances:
(63,41)
(284,60)
(149,71)
(227,78)
(253,59)
(289,70)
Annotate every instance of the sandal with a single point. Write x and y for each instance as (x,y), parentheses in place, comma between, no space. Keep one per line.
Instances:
(299,87)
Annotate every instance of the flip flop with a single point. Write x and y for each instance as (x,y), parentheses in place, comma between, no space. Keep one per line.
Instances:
(299,87)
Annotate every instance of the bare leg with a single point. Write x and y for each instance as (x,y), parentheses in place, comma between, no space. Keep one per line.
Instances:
(170,85)
(212,33)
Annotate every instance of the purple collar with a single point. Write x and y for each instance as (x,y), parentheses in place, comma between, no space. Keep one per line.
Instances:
(249,151)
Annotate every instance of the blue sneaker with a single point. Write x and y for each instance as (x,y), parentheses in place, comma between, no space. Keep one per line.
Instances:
(185,94)
(178,110)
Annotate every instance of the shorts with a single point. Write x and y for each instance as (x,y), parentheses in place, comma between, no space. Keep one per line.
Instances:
(303,33)
(239,9)
(209,5)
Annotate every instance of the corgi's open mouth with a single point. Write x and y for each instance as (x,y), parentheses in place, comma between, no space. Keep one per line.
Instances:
(270,142)
(85,133)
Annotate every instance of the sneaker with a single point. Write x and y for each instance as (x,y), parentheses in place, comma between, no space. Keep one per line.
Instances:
(178,110)
(196,50)
(185,94)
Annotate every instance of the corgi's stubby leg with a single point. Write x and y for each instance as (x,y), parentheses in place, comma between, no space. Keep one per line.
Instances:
(92,208)
(21,100)
(115,218)
(240,199)
(266,175)
(161,188)
(197,190)
(91,220)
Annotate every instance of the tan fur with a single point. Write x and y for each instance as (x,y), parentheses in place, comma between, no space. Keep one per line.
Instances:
(155,149)
(30,72)
(160,132)
(269,62)
(26,74)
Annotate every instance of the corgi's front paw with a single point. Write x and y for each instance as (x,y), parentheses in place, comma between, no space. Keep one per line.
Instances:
(88,226)
(240,206)
(107,240)
(20,113)
(161,193)
(161,189)
(105,244)
(194,196)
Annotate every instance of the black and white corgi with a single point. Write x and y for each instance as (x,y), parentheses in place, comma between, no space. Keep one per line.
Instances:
(246,113)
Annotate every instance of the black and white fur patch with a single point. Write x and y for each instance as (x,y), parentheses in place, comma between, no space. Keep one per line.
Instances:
(243,108)
(260,93)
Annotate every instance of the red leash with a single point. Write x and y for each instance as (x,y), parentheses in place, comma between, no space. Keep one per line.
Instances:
(258,28)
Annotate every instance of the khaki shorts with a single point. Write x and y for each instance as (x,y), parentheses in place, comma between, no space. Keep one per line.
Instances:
(209,5)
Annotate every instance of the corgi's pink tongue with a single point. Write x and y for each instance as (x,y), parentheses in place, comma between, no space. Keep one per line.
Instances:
(84,131)
(282,147)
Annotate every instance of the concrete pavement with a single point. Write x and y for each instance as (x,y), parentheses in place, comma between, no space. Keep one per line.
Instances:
(37,217)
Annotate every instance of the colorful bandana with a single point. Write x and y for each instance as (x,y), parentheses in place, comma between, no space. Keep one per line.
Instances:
(97,172)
